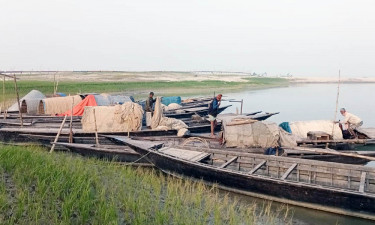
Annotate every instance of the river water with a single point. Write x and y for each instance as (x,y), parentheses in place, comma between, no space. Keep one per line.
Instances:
(310,102)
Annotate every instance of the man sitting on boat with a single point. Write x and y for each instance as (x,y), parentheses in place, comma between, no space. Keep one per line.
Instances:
(213,111)
(149,108)
(351,121)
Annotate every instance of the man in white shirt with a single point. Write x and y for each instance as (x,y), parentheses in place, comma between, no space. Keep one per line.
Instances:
(351,122)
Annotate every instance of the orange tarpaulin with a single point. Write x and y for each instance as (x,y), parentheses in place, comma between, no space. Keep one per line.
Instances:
(79,109)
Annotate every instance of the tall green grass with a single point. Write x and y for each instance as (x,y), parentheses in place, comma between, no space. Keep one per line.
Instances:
(41,188)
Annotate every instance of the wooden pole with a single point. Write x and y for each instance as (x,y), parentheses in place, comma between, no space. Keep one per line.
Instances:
(241,105)
(71,124)
(333,152)
(18,99)
(58,134)
(54,84)
(4,93)
(96,130)
(337,105)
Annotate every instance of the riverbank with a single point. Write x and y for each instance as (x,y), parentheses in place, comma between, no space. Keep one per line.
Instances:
(41,188)
(139,89)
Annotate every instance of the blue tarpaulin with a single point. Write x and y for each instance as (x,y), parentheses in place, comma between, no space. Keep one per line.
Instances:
(173,99)
(285,126)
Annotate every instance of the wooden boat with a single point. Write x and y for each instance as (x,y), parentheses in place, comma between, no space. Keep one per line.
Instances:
(110,152)
(333,187)
(203,111)
(262,116)
(14,134)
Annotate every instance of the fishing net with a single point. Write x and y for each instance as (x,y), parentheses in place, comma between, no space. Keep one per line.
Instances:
(159,122)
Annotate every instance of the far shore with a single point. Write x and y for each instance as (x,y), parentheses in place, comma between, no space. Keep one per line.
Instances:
(331,80)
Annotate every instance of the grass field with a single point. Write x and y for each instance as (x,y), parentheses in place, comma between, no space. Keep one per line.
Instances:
(41,188)
(139,89)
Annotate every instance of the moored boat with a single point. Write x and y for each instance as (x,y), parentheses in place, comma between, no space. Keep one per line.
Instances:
(333,187)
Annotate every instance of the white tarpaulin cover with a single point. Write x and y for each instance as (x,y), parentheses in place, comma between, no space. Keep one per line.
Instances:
(107,100)
(301,128)
(31,100)
(118,118)
(255,134)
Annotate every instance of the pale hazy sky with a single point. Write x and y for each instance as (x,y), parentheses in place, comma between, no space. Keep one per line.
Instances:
(304,38)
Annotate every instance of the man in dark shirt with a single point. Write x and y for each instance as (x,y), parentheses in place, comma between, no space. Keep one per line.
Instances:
(213,111)
(149,108)
(150,102)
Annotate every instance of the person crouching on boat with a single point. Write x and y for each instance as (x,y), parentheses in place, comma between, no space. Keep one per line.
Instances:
(213,111)
(351,122)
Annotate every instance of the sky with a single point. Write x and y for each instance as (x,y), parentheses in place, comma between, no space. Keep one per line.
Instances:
(302,38)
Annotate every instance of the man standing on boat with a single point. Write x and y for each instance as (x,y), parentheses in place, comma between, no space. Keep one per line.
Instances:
(149,108)
(351,122)
(213,111)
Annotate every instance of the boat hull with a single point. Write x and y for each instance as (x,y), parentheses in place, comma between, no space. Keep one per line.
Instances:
(306,195)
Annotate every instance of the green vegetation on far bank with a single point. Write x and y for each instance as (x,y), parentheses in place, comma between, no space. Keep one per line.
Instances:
(140,89)
(60,188)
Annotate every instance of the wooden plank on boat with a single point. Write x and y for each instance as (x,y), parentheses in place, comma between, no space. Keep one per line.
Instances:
(257,167)
(286,174)
(195,109)
(143,144)
(362,182)
(190,155)
(229,162)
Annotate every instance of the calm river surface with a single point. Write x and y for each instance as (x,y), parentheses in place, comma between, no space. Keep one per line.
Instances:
(311,102)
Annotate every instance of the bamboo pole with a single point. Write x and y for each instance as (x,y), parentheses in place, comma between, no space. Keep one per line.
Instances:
(54,84)
(18,99)
(96,130)
(4,93)
(337,104)
(58,134)
(71,124)
(333,152)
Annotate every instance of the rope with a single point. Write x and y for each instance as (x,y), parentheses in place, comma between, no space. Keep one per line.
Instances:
(192,139)
(130,164)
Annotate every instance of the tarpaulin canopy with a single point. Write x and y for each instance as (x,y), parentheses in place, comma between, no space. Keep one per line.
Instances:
(57,105)
(173,99)
(107,100)
(29,103)
(80,108)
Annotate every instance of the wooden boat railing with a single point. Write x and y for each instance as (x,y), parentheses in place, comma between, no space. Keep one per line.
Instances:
(333,175)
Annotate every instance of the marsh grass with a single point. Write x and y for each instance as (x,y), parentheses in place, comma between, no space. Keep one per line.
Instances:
(137,89)
(41,188)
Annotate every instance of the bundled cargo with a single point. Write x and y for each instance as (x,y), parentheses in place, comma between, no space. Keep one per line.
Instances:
(118,118)
(301,128)
(58,105)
